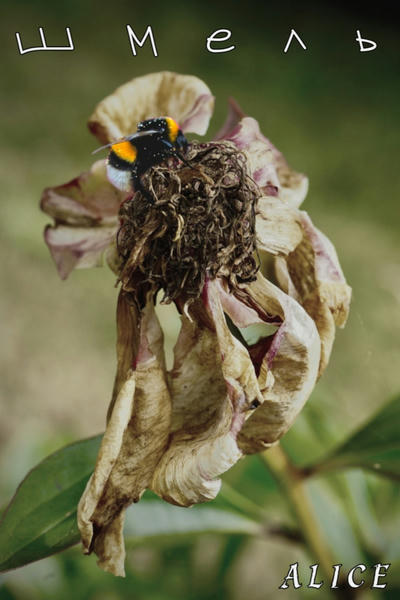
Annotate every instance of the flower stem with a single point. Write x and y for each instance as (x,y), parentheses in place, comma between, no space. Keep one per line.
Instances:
(291,480)
(242,503)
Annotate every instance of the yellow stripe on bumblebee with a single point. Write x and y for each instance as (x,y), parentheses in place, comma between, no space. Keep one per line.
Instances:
(128,138)
(173,128)
(125,151)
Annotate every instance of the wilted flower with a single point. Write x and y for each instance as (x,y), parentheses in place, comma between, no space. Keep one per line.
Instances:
(175,432)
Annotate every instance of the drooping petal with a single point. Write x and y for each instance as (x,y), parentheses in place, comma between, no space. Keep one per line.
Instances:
(88,200)
(247,137)
(235,114)
(136,436)
(313,275)
(85,213)
(277,226)
(79,247)
(108,540)
(268,166)
(185,98)
(286,361)
(213,387)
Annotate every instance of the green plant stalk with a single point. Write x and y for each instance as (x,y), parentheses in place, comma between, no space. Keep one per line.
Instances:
(291,481)
(243,504)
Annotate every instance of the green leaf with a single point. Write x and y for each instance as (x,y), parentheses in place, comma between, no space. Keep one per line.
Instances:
(41,518)
(158,519)
(338,528)
(376,446)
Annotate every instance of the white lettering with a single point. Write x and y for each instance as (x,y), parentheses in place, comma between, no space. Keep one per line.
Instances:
(214,38)
(350,576)
(336,570)
(363,41)
(312,584)
(293,575)
(377,574)
(44,46)
(133,39)
(292,35)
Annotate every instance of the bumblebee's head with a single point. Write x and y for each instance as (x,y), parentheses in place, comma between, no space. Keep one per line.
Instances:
(175,135)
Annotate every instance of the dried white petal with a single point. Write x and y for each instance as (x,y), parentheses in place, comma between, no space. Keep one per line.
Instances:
(213,384)
(312,274)
(135,439)
(185,98)
(277,226)
(291,356)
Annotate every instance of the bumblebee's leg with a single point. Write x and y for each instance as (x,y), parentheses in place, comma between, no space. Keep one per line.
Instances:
(179,155)
(175,152)
(138,186)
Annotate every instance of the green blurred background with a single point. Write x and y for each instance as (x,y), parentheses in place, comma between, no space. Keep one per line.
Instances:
(334,113)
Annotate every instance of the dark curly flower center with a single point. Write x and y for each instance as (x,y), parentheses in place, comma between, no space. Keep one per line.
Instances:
(201,225)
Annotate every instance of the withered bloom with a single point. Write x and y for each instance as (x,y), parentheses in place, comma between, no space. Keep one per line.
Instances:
(176,432)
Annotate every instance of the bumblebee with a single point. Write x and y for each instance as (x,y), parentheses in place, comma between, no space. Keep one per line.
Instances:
(154,141)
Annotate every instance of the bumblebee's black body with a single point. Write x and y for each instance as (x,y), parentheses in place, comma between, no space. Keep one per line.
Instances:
(154,141)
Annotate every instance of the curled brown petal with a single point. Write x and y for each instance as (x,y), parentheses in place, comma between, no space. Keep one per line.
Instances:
(213,387)
(312,274)
(286,361)
(136,436)
(185,98)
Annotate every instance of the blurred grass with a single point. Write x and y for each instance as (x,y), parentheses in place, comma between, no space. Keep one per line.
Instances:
(332,110)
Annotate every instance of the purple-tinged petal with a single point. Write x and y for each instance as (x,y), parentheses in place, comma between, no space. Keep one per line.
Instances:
(198,119)
(247,137)
(78,247)
(268,166)
(286,361)
(87,200)
(85,211)
(234,116)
